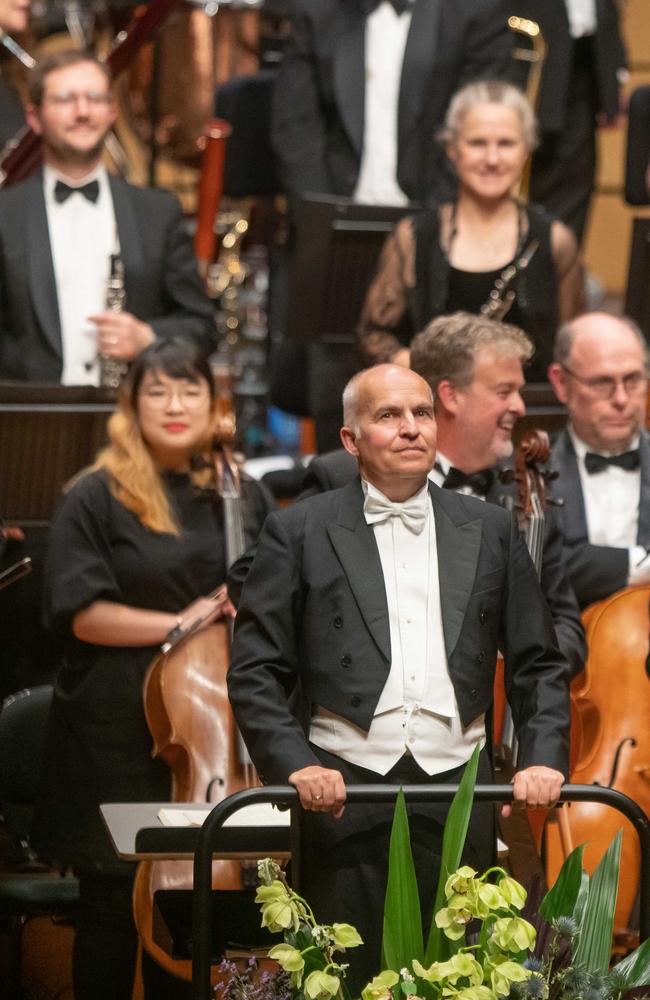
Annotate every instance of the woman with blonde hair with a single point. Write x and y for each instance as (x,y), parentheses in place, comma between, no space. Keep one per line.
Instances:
(456,255)
(137,552)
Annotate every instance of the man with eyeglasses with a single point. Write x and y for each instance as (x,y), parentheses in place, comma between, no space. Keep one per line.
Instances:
(600,373)
(66,229)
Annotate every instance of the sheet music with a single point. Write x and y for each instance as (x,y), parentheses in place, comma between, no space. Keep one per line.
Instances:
(261,814)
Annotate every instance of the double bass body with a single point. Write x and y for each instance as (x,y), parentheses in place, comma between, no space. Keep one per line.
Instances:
(194,732)
(611,738)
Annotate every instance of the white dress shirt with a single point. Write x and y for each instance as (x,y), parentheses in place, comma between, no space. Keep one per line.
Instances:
(417,710)
(83,235)
(582,17)
(386,34)
(611,500)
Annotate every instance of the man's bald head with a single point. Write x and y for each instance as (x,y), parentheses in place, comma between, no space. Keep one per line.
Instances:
(364,382)
(600,374)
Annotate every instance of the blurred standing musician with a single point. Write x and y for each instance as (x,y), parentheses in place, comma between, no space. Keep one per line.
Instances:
(455,255)
(14,18)
(600,373)
(386,602)
(59,230)
(364,85)
(581,86)
(474,369)
(135,548)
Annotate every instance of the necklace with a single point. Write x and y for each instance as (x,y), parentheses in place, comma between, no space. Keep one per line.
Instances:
(522,229)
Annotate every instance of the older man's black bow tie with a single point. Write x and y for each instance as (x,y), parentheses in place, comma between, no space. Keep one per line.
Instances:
(629,461)
(479,482)
(62,191)
(399,5)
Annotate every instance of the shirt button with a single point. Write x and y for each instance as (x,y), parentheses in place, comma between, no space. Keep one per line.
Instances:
(338,622)
(355,700)
(481,657)
(411,739)
(483,617)
(474,693)
(346,660)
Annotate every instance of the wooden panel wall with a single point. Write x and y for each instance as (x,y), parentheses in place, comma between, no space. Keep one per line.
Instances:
(608,236)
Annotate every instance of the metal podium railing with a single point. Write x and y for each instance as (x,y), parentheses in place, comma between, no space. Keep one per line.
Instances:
(282,795)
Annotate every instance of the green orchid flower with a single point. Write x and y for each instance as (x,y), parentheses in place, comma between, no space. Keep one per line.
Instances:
(291,961)
(320,985)
(513,892)
(345,936)
(474,993)
(506,973)
(513,934)
(279,911)
(453,918)
(379,988)
(459,881)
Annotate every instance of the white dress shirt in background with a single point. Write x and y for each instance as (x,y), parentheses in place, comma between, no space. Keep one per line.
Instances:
(83,235)
(386,34)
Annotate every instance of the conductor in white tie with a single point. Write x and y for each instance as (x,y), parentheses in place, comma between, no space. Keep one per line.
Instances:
(383,604)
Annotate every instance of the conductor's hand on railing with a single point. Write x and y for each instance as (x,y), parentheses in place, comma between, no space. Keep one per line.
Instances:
(320,788)
(535,786)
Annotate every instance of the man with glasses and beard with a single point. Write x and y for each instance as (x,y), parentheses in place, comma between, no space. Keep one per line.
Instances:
(60,230)
(600,373)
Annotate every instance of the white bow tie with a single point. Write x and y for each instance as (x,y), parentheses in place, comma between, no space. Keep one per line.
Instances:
(413,512)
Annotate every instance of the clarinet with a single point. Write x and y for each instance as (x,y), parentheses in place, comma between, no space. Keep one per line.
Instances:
(503,294)
(112,370)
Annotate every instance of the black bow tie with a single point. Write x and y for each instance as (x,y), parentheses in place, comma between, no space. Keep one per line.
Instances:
(479,482)
(629,461)
(62,191)
(399,5)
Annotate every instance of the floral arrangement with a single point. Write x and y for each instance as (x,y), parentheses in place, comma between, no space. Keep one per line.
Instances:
(487,940)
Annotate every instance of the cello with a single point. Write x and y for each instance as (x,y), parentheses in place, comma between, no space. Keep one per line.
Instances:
(611,702)
(192,726)
(520,829)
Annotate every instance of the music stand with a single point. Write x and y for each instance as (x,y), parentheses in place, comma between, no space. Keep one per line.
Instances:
(637,299)
(337,250)
(47,434)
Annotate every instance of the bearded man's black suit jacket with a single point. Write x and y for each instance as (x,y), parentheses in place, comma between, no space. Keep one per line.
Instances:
(161,280)
(313,611)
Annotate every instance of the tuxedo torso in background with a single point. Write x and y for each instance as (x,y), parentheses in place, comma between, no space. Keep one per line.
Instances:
(579,81)
(596,571)
(333,470)
(318,117)
(161,281)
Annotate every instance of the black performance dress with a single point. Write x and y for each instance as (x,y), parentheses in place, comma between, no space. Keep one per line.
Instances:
(441,289)
(98,746)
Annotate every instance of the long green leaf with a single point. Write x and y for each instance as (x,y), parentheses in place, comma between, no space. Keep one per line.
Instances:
(595,939)
(581,901)
(439,947)
(402,941)
(636,966)
(560,901)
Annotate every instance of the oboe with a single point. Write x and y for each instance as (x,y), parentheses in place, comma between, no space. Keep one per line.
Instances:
(112,370)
